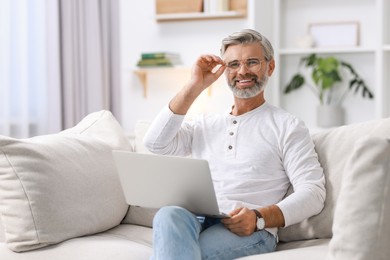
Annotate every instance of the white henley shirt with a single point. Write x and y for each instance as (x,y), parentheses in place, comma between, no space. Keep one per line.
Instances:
(253,158)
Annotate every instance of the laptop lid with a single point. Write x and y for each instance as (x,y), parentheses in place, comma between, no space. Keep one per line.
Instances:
(154,181)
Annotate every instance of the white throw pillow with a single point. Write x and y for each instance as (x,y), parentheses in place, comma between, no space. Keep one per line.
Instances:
(361,227)
(334,148)
(60,186)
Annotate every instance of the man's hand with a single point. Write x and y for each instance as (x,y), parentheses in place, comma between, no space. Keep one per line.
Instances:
(206,71)
(242,222)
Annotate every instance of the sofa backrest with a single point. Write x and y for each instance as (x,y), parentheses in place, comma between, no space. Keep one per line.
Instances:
(139,132)
(334,148)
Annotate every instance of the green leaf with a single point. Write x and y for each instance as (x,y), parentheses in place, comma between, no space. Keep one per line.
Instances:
(352,83)
(328,65)
(327,82)
(359,83)
(296,82)
(325,73)
(309,61)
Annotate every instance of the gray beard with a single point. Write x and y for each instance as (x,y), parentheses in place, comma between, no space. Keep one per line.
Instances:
(252,91)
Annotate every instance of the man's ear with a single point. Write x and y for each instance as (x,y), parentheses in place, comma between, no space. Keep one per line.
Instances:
(271,67)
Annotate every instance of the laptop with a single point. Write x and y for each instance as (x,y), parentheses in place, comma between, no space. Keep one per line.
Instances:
(154,181)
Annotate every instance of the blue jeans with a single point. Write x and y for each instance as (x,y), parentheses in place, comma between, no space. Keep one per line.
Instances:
(178,234)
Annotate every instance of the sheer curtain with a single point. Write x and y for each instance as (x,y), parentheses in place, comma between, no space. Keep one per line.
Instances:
(29,86)
(90,58)
(59,61)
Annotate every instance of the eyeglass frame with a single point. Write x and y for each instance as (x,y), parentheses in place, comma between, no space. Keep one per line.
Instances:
(245,63)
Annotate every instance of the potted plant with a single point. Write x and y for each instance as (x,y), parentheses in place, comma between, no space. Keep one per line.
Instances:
(326,76)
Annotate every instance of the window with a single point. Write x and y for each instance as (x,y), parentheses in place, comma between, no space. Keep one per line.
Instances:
(27,99)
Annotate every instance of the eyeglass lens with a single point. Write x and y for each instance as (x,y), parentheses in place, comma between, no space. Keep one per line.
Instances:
(253,65)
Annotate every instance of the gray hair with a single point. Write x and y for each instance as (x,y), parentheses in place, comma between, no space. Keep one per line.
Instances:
(248,36)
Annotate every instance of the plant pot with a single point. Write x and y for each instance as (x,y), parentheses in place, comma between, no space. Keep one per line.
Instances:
(330,115)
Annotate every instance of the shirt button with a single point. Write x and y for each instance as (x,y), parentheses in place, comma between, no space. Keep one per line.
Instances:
(230,147)
(234,121)
(231,133)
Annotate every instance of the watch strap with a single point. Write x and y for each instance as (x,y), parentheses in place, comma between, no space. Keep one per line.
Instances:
(258,214)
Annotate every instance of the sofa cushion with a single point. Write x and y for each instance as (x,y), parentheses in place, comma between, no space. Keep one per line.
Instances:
(334,147)
(61,186)
(123,242)
(363,209)
(303,250)
(140,216)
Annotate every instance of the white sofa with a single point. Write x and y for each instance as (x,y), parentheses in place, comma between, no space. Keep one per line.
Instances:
(60,197)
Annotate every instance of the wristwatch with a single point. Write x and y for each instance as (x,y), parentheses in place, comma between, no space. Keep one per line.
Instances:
(260,223)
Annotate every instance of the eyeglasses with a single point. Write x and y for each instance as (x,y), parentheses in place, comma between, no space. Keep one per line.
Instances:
(254,65)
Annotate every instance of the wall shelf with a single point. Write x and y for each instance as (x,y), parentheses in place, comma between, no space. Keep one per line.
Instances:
(199,16)
(179,10)
(143,78)
(326,50)
(144,75)
(370,57)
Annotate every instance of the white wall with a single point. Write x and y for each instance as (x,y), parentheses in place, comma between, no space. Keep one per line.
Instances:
(294,18)
(141,33)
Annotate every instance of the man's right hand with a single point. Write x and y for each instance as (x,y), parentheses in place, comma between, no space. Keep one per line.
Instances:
(204,73)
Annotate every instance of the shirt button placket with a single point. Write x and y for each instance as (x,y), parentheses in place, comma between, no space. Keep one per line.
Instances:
(231,144)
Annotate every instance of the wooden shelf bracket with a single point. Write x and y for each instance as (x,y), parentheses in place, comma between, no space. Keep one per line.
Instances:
(143,78)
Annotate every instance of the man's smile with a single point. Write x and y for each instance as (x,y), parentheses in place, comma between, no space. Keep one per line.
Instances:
(245,83)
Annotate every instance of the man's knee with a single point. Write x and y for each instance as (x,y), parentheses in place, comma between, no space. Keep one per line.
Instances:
(170,214)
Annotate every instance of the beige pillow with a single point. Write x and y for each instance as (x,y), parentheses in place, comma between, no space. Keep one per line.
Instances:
(361,227)
(60,186)
(334,148)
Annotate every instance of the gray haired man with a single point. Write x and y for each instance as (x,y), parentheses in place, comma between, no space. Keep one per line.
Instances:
(255,152)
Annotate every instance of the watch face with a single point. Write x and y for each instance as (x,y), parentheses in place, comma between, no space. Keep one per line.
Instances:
(260,223)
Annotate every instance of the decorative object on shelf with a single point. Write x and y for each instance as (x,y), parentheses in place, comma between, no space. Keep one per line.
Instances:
(159,59)
(182,10)
(305,42)
(215,6)
(178,6)
(325,74)
(337,34)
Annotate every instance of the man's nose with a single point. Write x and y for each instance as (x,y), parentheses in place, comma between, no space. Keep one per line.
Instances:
(243,68)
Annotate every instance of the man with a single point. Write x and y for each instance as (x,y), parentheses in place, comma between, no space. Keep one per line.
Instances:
(255,151)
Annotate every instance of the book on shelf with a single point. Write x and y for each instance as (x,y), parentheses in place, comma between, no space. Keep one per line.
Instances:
(157,59)
(160,55)
(156,62)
